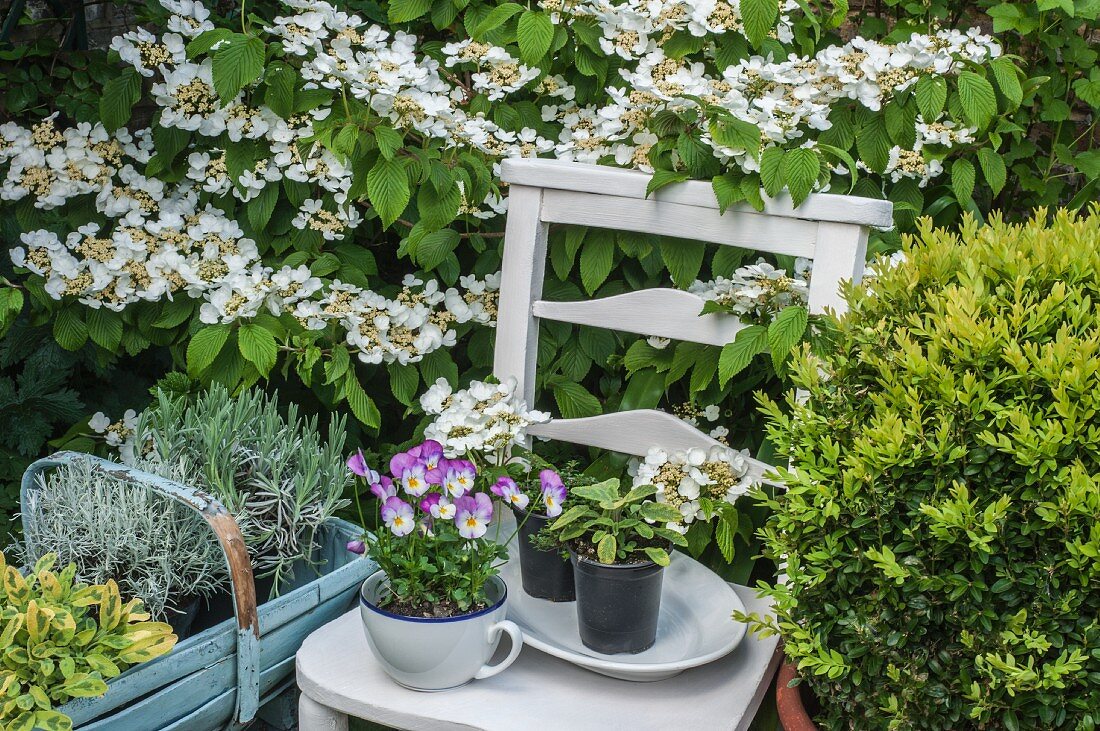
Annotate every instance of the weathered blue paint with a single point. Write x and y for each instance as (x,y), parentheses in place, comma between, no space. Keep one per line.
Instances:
(218,678)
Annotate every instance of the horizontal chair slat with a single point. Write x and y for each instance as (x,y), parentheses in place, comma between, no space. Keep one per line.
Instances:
(635,432)
(762,233)
(562,175)
(668,313)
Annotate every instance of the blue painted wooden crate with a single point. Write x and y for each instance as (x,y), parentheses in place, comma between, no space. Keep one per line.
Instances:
(220,677)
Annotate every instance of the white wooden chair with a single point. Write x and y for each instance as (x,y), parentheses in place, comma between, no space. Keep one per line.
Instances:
(335,672)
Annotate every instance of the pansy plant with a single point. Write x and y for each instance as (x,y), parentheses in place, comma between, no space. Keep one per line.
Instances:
(621,528)
(431,537)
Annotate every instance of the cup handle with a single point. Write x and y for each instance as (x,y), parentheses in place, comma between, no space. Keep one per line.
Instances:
(516,636)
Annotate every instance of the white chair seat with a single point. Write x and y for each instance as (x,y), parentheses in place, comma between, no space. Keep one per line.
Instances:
(339,677)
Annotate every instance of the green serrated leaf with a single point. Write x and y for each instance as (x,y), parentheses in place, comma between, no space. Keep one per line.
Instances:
(993,168)
(771,171)
(120,94)
(661,178)
(737,355)
(204,347)
(801,166)
(388,189)
(236,64)
(759,18)
(931,93)
(257,345)
(574,401)
(361,404)
(435,247)
(534,34)
(597,258)
(684,259)
(978,100)
(497,17)
(786,331)
(69,329)
(105,328)
(963,178)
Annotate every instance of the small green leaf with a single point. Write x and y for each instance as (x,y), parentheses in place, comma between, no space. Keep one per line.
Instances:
(759,18)
(361,404)
(978,100)
(236,64)
(963,177)
(607,549)
(931,93)
(737,355)
(658,556)
(120,94)
(534,34)
(801,167)
(597,259)
(574,401)
(993,168)
(105,328)
(258,347)
(204,347)
(661,178)
(388,189)
(786,331)
(69,329)
(771,170)
(497,17)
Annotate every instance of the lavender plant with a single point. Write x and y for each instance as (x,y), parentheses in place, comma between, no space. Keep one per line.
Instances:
(278,476)
(154,548)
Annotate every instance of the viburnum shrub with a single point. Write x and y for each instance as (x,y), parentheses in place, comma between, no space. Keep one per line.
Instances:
(941,523)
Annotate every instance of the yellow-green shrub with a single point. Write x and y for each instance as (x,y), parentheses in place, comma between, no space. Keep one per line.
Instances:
(62,640)
(942,520)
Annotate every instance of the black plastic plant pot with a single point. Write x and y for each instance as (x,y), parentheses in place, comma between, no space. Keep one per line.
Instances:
(617,604)
(546,575)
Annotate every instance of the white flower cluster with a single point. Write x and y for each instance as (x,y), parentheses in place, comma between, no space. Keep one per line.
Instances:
(692,414)
(485,417)
(162,244)
(118,434)
(157,238)
(406,328)
(758,291)
(785,99)
(686,478)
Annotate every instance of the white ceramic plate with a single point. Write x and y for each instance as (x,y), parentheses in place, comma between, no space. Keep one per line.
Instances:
(694,627)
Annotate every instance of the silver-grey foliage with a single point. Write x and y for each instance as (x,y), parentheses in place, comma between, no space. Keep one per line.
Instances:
(277,476)
(154,547)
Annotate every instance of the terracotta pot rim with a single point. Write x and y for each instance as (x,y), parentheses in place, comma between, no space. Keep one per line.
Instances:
(788,701)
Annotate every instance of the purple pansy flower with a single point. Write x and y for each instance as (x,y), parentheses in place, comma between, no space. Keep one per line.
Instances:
(456,476)
(444,509)
(429,501)
(357,547)
(383,488)
(472,515)
(357,463)
(509,491)
(414,479)
(398,516)
(553,492)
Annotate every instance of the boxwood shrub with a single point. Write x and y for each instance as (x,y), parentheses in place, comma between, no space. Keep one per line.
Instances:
(941,525)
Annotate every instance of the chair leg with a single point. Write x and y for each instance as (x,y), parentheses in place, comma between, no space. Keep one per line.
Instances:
(312,716)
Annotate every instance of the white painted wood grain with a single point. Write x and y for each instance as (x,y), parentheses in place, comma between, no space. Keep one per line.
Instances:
(603,180)
(749,230)
(668,313)
(841,254)
(636,432)
(522,272)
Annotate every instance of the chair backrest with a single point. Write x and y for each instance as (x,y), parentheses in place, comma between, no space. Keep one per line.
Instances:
(831,230)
